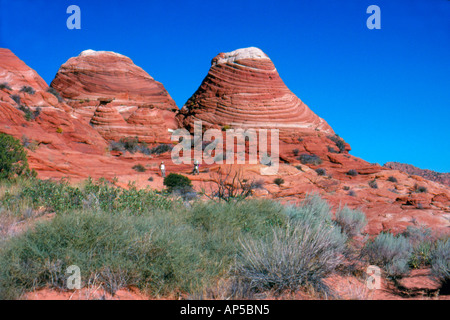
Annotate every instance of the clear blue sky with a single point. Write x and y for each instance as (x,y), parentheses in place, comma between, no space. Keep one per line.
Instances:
(386,92)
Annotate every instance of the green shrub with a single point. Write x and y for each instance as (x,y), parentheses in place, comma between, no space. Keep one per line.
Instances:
(310,159)
(5,85)
(28,89)
(61,197)
(139,168)
(420,189)
(352,173)
(298,256)
(95,243)
(440,263)
(321,171)
(389,252)
(351,221)
(373,184)
(313,211)
(340,143)
(16,98)
(160,149)
(331,149)
(13,158)
(54,92)
(392,179)
(278,181)
(130,144)
(28,114)
(176,181)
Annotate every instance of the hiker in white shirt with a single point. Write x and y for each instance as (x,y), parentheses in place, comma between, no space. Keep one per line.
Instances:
(162,167)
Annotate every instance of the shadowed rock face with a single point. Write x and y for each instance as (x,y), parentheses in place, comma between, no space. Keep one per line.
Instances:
(102,74)
(244,89)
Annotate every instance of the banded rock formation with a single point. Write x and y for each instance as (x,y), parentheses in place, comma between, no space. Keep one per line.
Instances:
(146,123)
(244,89)
(103,74)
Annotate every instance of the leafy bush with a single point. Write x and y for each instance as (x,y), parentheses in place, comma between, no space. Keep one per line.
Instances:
(130,144)
(339,142)
(373,184)
(310,159)
(313,211)
(28,89)
(30,115)
(300,255)
(29,144)
(278,181)
(290,258)
(440,263)
(16,98)
(321,171)
(389,252)
(176,181)
(133,145)
(352,173)
(392,179)
(332,150)
(5,85)
(139,168)
(351,221)
(295,152)
(160,149)
(54,92)
(420,189)
(423,243)
(13,158)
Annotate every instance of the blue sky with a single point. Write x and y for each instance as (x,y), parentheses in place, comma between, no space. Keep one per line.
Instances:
(386,92)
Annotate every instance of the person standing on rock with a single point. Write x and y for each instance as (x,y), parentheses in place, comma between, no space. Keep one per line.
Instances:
(196,171)
(162,167)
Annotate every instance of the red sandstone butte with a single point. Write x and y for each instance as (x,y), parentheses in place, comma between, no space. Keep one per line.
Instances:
(104,74)
(244,89)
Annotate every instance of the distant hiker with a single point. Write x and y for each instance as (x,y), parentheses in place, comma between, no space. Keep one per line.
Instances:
(196,171)
(162,167)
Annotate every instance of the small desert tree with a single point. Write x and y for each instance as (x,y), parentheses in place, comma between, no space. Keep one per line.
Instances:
(229,184)
(13,158)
